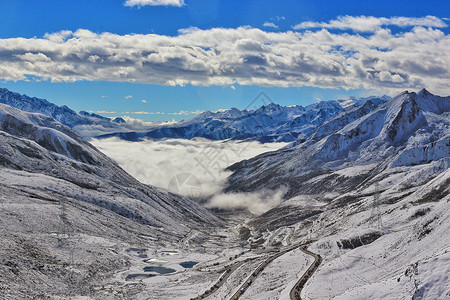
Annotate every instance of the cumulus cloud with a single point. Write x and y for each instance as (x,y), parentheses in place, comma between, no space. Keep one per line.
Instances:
(270,24)
(187,167)
(144,101)
(368,23)
(411,59)
(129,97)
(140,125)
(178,3)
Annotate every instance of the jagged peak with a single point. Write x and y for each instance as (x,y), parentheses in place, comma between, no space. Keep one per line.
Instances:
(271,106)
(424,92)
(406,92)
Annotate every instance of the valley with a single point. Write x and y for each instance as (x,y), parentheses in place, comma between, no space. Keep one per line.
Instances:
(224,150)
(360,211)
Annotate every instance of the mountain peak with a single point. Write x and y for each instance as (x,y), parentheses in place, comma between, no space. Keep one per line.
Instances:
(406,92)
(424,92)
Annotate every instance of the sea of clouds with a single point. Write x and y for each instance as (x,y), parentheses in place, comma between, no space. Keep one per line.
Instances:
(193,168)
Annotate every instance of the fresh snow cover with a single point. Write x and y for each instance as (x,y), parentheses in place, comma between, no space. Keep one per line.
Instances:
(369,187)
(279,277)
(36,143)
(373,192)
(85,123)
(269,123)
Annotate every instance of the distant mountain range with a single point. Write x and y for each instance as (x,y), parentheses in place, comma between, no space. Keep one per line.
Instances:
(269,123)
(62,114)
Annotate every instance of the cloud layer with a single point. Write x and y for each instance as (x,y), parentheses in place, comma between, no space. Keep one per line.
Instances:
(414,58)
(192,168)
(257,202)
(371,24)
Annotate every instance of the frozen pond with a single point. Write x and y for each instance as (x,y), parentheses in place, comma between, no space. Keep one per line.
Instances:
(188,264)
(160,270)
(134,276)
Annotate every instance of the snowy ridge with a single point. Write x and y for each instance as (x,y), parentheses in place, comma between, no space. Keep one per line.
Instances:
(353,101)
(62,114)
(36,143)
(269,123)
(372,187)
(357,136)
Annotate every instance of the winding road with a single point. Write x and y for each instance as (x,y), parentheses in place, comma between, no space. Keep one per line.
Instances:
(296,290)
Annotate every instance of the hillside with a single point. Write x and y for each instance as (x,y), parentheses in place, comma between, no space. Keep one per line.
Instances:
(68,212)
(371,189)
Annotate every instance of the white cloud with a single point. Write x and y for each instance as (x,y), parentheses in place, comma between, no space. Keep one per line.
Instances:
(34,58)
(128,97)
(144,113)
(178,3)
(270,24)
(370,24)
(415,57)
(388,77)
(257,202)
(103,112)
(181,112)
(161,162)
(186,112)
(144,101)
(278,18)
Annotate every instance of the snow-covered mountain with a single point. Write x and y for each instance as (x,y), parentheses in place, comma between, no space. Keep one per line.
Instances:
(371,186)
(70,215)
(353,101)
(86,124)
(368,187)
(411,129)
(62,114)
(269,123)
(36,143)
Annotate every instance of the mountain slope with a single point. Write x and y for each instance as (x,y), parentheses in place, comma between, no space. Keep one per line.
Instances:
(371,190)
(38,144)
(409,129)
(62,114)
(70,217)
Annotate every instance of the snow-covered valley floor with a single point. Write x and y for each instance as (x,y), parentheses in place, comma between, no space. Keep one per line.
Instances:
(56,243)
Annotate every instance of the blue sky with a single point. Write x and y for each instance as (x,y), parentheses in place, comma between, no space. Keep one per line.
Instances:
(302,52)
